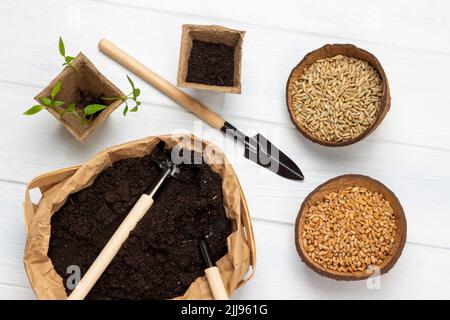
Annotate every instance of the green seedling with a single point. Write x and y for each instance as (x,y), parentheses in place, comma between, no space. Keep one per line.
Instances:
(62,51)
(49,102)
(52,103)
(132,96)
(86,115)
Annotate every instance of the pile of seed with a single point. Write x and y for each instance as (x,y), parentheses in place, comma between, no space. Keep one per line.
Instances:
(337,99)
(349,230)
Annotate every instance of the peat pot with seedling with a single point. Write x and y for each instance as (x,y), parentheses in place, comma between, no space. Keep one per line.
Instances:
(81,98)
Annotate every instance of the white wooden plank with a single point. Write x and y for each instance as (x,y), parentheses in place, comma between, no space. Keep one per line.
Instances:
(12,236)
(8,292)
(420,273)
(418,79)
(414,173)
(409,152)
(400,23)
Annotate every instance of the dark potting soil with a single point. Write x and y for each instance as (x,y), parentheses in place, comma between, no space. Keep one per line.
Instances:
(211,63)
(161,258)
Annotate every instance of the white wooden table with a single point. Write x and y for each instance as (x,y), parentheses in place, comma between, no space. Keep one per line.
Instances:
(409,152)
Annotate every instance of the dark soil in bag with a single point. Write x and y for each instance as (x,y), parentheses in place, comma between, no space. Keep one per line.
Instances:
(161,258)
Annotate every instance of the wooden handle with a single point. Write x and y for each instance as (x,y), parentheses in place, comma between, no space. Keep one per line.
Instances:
(183,99)
(216,284)
(112,247)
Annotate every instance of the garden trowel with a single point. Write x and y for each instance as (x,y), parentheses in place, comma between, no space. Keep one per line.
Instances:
(257,148)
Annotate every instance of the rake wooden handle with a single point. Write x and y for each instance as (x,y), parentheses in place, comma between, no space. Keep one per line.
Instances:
(112,247)
(216,284)
(183,99)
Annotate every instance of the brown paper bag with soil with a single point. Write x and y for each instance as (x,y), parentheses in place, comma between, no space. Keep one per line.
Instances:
(56,186)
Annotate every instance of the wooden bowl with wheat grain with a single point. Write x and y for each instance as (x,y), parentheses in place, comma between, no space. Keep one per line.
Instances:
(326,52)
(334,186)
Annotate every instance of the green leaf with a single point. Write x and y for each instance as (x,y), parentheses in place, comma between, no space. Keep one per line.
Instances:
(138,103)
(46,101)
(33,110)
(93,108)
(136,93)
(131,82)
(135,108)
(56,89)
(69,59)
(70,108)
(125,110)
(62,49)
(57,103)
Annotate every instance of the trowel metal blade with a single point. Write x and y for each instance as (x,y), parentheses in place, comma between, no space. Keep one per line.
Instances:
(264,153)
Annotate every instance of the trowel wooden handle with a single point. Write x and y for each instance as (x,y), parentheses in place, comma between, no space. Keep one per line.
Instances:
(112,247)
(183,99)
(216,284)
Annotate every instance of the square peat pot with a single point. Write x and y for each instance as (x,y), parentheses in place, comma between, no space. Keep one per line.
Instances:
(82,79)
(210,58)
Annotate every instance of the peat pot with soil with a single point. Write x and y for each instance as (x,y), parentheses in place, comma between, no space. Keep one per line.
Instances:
(82,206)
(82,98)
(210,58)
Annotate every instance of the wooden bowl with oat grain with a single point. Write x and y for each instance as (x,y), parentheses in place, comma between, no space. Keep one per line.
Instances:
(350,228)
(337,95)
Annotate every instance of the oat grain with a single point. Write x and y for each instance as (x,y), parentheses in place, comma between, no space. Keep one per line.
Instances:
(337,99)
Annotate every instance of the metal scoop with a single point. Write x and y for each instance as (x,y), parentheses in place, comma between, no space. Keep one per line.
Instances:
(169,169)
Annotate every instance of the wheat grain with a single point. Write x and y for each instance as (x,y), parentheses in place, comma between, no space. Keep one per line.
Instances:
(349,230)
